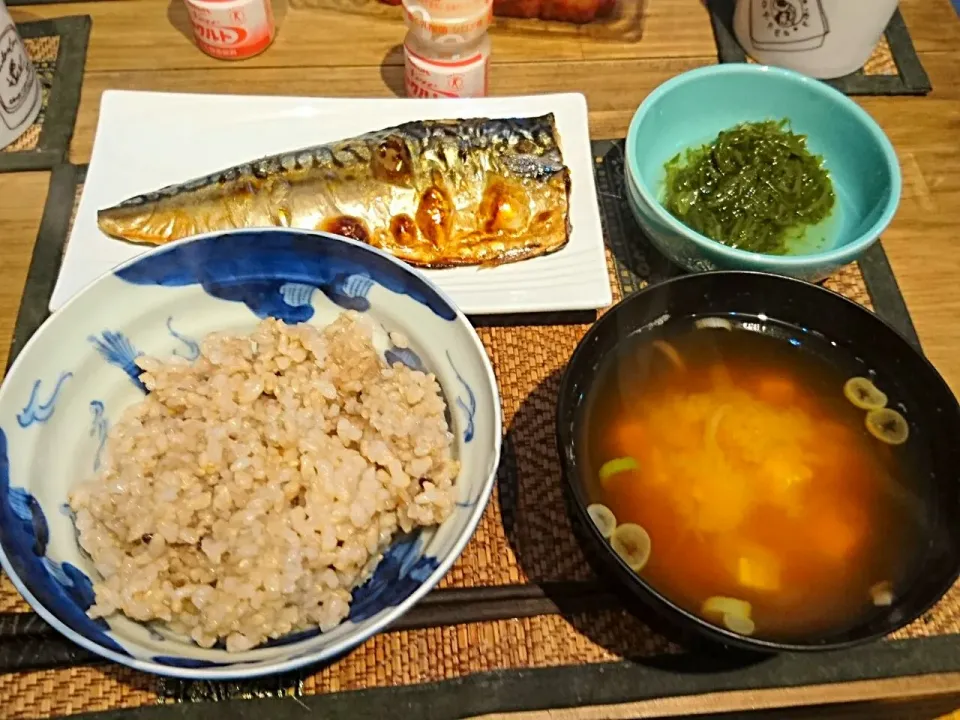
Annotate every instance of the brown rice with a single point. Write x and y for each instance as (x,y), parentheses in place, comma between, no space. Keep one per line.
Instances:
(252,490)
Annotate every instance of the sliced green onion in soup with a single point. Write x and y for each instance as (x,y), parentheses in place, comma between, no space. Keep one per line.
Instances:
(738,624)
(720,606)
(603,518)
(864,394)
(888,426)
(619,465)
(632,543)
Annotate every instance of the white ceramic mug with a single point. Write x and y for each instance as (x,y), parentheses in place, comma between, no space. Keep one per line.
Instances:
(20,96)
(819,38)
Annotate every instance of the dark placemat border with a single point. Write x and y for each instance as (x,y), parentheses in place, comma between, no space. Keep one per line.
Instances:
(912,79)
(27,643)
(570,686)
(882,286)
(47,254)
(61,111)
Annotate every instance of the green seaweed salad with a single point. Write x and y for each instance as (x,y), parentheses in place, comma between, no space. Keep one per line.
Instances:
(756,187)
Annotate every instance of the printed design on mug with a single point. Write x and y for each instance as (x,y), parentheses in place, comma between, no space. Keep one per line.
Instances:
(19,90)
(788,25)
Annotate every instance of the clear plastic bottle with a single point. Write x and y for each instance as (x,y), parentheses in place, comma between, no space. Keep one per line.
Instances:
(442,71)
(447,49)
(433,23)
(449,10)
(232,29)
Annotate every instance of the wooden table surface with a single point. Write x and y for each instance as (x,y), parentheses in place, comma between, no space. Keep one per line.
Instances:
(323,51)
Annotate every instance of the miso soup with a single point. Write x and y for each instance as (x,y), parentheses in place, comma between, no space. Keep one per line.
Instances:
(755,475)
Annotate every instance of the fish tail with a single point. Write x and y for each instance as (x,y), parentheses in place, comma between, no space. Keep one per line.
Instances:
(127,226)
(146,224)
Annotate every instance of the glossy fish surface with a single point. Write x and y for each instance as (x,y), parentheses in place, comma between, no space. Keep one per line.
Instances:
(434,193)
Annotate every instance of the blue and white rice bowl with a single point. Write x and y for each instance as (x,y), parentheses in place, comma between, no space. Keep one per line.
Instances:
(76,375)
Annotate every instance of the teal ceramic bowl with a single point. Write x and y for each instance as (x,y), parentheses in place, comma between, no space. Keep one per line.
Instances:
(691,109)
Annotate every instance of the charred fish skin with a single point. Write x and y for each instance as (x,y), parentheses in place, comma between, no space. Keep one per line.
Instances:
(434,193)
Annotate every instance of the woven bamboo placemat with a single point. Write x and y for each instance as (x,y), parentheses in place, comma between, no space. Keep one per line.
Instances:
(58,49)
(521,621)
(894,68)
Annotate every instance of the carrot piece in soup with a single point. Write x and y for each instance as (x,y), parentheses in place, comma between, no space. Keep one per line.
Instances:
(720,376)
(758,569)
(655,470)
(629,439)
(777,390)
(839,531)
(835,435)
(625,491)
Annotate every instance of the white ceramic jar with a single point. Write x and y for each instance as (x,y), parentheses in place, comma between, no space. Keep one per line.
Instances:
(20,96)
(820,38)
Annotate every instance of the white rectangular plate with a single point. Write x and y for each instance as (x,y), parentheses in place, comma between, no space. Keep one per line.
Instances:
(148,140)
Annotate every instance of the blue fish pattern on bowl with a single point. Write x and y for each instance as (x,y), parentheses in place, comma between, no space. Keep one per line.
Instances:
(191,345)
(404,356)
(99,428)
(257,268)
(32,520)
(62,588)
(116,349)
(403,569)
(39,412)
(469,406)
